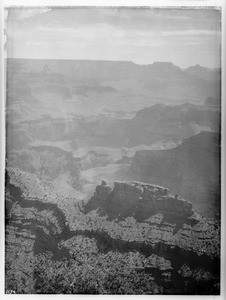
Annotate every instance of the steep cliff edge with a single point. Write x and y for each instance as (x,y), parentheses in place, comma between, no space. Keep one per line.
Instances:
(192,169)
(32,226)
(139,200)
(134,230)
(148,207)
(136,215)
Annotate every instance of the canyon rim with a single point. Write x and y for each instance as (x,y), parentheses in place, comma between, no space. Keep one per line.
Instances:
(113,150)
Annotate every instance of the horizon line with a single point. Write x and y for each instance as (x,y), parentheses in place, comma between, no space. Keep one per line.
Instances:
(106,60)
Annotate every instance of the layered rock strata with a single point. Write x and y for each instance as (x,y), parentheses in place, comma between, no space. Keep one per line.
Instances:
(144,213)
(140,200)
(192,169)
(166,238)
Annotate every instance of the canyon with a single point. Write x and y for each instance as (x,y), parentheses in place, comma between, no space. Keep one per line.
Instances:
(192,169)
(162,236)
(112,170)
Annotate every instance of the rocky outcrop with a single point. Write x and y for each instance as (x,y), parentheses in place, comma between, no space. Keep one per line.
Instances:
(151,215)
(176,247)
(33,226)
(136,215)
(140,200)
(192,169)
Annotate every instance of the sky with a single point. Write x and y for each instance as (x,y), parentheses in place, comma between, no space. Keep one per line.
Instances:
(185,37)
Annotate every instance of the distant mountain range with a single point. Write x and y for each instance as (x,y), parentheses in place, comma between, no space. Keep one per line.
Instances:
(162,79)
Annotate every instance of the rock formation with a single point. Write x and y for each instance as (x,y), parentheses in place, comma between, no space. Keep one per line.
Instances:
(140,200)
(192,169)
(130,238)
(149,231)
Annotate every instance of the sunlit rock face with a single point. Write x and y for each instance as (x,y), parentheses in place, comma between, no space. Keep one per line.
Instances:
(192,169)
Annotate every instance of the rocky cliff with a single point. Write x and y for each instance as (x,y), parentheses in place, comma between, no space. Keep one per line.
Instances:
(192,169)
(139,200)
(151,215)
(170,250)
(33,225)
(146,217)
(152,124)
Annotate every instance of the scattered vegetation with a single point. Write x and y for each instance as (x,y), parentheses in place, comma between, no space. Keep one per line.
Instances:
(89,274)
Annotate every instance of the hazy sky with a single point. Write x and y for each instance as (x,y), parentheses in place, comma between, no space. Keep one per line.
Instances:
(183,36)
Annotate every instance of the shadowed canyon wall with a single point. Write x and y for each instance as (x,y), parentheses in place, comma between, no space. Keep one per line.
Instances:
(192,169)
